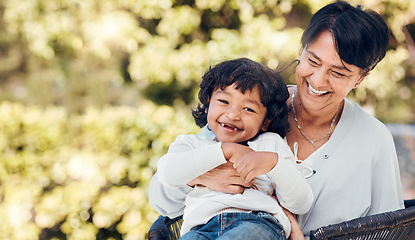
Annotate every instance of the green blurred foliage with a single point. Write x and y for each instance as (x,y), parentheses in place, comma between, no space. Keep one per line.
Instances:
(118,52)
(84,176)
(93,92)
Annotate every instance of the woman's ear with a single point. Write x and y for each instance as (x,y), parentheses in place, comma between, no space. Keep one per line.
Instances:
(360,80)
(265,124)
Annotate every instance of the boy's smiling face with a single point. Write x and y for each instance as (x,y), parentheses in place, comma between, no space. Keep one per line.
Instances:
(234,116)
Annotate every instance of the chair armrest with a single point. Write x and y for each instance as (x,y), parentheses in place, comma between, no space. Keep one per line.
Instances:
(409,203)
(399,224)
(165,228)
(158,230)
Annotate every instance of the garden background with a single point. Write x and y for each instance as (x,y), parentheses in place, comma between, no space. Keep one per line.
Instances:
(92,93)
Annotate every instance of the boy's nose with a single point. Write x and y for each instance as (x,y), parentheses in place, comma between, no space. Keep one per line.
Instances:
(233,114)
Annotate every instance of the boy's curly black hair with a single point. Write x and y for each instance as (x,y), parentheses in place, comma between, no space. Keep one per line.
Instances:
(246,74)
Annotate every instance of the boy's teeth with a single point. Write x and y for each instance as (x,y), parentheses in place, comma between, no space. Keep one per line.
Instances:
(224,125)
(315,91)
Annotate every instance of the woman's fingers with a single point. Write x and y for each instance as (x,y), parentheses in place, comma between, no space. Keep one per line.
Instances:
(223,178)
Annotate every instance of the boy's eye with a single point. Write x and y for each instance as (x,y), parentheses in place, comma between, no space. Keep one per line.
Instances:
(223,101)
(249,109)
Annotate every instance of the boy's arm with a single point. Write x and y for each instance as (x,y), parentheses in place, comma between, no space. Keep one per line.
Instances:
(223,178)
(187,158)
(165,200)
(253,164)
(182,163)
(292,190)
(169,200)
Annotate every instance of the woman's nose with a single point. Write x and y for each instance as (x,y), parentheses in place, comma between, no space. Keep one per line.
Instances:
(318,78)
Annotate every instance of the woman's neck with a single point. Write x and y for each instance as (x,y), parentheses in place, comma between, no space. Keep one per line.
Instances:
(310,129)
(318,117)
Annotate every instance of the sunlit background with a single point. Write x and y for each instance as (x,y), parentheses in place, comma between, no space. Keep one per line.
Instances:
(92,93)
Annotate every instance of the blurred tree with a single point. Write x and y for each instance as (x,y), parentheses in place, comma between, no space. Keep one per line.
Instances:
(80,53)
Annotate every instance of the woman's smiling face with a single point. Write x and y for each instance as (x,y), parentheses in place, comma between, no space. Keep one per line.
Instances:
(322,78)
(234,116)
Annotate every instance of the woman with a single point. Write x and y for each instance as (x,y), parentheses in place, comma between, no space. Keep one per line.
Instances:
(349,155)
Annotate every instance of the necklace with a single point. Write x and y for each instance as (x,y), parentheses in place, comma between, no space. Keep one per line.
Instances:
(301,130)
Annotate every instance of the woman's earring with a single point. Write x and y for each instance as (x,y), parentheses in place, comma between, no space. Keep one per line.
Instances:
(356,85)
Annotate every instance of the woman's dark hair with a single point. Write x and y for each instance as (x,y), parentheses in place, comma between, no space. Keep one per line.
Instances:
(246,74)
(361,37)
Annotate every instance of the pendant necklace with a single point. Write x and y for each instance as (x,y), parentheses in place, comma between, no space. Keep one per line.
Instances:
(301,131)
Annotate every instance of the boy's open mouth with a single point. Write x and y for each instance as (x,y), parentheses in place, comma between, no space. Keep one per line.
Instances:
(229,126)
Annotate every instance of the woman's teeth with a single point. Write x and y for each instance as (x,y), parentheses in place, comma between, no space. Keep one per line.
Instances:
(315,91)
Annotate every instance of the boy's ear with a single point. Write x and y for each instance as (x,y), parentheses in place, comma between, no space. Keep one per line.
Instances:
(265,124)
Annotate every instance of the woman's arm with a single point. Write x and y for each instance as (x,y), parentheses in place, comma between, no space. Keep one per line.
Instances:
(386,182)
(223,178)
(296,232)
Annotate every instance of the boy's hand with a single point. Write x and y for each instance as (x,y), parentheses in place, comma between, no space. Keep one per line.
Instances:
(252,164)
(234,151)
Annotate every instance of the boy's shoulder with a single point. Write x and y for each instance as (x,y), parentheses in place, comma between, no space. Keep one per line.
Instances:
(269,136)
(204,135)
(267,141)
(191,137)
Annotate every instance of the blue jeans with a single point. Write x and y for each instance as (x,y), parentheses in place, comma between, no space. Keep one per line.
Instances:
(234,226)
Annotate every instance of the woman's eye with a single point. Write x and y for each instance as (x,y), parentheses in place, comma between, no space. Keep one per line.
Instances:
(337,74)
(312,62)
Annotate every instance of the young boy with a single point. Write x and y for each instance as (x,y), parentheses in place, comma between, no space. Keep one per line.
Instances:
(239,100)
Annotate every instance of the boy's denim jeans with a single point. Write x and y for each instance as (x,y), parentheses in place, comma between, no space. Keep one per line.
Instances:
(256,225)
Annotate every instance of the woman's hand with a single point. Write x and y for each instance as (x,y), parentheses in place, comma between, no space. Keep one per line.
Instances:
(223,178)
(296,232)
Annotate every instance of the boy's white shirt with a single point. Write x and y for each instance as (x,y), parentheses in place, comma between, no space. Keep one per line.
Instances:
(193,155)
